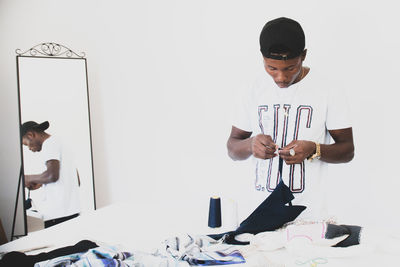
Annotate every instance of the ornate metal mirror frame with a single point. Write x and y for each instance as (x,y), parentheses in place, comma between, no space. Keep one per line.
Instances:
(53,86)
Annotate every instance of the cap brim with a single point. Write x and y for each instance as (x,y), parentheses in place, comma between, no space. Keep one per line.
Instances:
(43,126)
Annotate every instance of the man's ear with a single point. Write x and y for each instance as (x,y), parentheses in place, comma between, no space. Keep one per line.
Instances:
(303,55)
(29,135)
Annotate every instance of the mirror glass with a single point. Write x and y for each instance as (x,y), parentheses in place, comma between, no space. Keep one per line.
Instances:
(55,89)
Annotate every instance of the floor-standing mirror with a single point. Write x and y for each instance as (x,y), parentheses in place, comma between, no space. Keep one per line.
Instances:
(55,134)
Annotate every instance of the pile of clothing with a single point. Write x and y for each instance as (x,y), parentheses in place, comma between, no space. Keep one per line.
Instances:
(183,251)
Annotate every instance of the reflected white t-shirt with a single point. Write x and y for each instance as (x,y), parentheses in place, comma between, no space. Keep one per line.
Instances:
(60,198)
(312,108)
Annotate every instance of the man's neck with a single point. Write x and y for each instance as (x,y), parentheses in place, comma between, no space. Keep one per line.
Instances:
(303,73)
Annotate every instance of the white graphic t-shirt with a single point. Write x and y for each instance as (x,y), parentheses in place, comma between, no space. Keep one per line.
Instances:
(304,111)
(60,198)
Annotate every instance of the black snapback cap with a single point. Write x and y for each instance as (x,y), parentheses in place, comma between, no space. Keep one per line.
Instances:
(281,39)
(31,125)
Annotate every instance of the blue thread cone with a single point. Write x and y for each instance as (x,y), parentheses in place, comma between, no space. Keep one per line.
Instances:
(214,214)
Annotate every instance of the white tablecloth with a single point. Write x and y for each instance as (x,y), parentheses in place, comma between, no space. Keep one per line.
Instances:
(137,228)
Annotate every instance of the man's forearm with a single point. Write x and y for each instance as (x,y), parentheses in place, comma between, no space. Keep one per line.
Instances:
(239,149)
(43,178)
(337,153)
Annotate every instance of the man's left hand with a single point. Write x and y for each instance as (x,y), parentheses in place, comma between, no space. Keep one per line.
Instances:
(300,149)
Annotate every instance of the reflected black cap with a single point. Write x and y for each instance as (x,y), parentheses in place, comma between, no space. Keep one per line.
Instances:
(281,39)
(31,125)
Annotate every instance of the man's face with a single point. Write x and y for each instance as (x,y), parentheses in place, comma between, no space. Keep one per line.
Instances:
(284,72)
(32,141)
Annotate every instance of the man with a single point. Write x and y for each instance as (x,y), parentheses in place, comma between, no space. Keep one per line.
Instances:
(59,178)
(291,113)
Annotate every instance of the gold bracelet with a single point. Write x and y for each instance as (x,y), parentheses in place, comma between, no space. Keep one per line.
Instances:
(317,154)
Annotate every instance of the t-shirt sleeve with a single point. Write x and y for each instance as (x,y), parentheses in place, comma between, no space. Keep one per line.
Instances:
(241,112)
(51,151)
(338,114)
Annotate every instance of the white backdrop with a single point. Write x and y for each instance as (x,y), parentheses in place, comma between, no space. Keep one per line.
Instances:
(163,75)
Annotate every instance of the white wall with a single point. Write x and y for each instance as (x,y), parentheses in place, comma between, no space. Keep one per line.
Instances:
(163,74)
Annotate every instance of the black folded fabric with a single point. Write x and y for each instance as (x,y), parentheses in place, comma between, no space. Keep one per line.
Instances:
(20,259)
(353,231)
(271,214)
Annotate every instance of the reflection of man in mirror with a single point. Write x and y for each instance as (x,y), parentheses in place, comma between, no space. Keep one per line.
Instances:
(59,180)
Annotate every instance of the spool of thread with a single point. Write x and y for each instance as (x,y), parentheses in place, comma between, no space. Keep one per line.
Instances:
(214,214)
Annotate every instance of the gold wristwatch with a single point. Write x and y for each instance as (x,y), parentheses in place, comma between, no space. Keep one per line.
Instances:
(317,154)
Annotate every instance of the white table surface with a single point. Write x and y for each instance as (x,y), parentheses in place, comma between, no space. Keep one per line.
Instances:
(140,229)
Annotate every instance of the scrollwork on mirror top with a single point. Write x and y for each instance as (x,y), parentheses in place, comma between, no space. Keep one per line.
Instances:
(50,50)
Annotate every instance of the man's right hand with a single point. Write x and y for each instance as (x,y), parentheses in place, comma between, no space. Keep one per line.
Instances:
(263,147)
(30,184)
(35,186)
